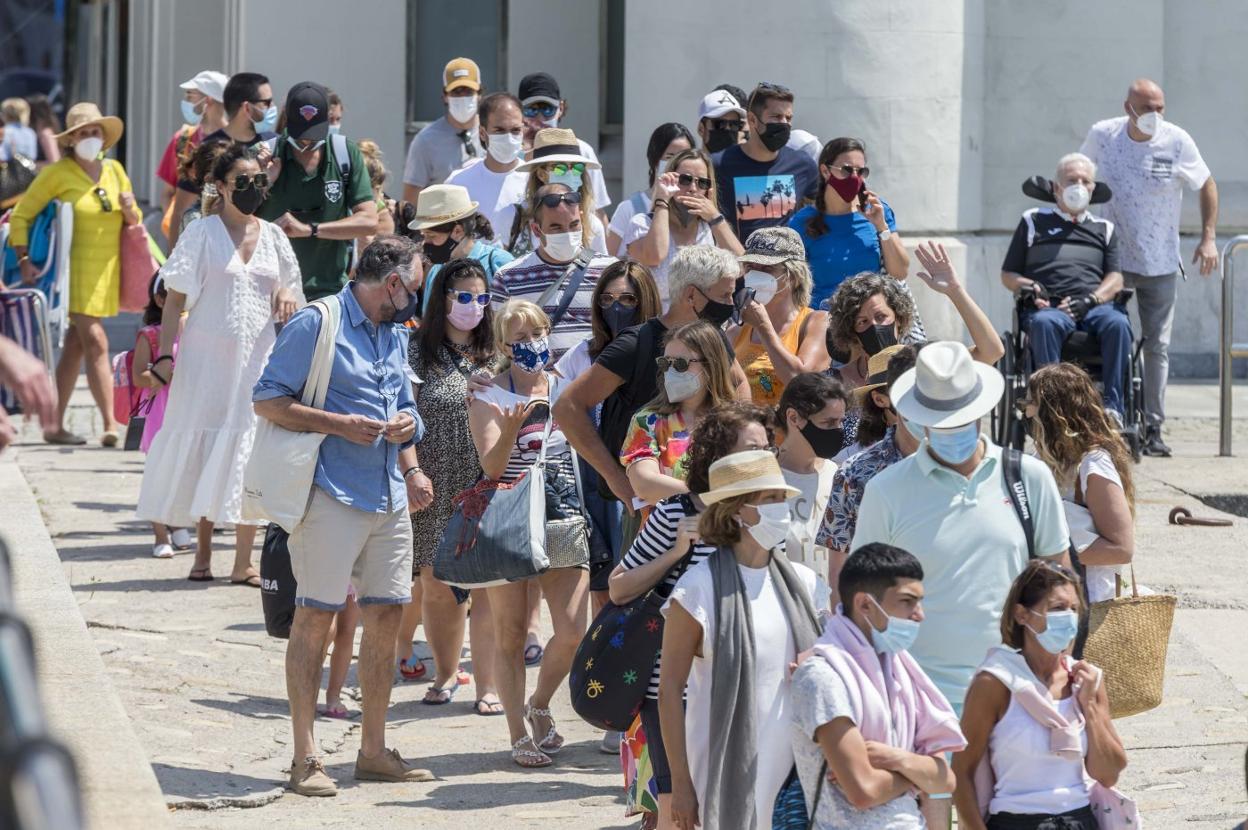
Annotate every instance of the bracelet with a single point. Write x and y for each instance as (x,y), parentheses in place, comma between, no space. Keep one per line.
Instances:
(411,471)
(23,258)
(658,203)
(160,360)
(717,220)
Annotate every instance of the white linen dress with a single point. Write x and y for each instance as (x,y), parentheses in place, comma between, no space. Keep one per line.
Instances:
(195,466)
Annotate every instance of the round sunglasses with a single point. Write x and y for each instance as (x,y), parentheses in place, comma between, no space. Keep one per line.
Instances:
(561,168)
(680,364)
(243,181)
(467,297)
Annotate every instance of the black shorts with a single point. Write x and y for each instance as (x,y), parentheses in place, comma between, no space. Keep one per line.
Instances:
(654,740)
(1081,819)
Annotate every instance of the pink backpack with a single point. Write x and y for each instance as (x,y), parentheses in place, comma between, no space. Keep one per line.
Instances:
(127,395)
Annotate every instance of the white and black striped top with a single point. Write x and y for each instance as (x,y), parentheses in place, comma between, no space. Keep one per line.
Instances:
(654,540)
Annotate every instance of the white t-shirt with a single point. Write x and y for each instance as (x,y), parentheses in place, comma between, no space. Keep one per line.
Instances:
(575,362)
(806,511)
(805,142)
(774,649)
(624,213)
(1100,578)
(496,193)
(1147,178)
(639,226)
(599,185)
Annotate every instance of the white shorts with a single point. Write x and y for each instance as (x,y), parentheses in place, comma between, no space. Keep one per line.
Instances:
(336,546)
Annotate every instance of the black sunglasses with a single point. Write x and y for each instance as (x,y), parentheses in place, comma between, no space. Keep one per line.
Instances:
(624,298)
(551,200)
(466,297)
(268,102)
(736,125)
(105,204)
(680,364)
(767,88)
(686,179)
(243,181)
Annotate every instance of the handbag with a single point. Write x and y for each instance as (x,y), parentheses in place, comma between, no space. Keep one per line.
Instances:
(277,583)
(16,174)
(789,812)
(279,473)
(138,266)
(567,539)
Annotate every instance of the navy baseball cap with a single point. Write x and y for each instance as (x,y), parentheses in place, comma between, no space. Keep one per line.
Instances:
(307,111)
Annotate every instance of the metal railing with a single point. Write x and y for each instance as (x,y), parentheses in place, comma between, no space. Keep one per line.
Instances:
(1228,350)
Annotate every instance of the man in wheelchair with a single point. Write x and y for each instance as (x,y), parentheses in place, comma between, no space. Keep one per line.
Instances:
(1062,265)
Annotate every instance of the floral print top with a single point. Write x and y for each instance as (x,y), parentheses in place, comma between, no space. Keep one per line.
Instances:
(665,438)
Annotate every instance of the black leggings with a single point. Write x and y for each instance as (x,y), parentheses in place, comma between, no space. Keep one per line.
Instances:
(1081,819)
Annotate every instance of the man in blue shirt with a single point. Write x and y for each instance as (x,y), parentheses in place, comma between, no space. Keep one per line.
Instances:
(356,529)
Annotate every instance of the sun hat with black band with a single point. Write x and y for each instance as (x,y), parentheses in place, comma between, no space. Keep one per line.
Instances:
(752,471)
(439,204)
(556,144)
(877,372)
(772,246)
(946,388)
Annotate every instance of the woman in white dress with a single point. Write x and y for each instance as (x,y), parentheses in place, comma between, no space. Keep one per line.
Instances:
(235,275)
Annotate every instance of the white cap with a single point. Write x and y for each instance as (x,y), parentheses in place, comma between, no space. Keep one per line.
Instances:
(718,104)
(209,83)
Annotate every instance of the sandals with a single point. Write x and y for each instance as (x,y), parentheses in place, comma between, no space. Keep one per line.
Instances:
(253,581)
(410,672)
(529,758)
(488,708)
(553,741)
(441,695)
(336,712)
(533,655)
(110,439)
(64,438)
(204,575)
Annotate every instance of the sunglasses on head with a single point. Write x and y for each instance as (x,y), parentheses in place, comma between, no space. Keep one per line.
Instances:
(539,110)
(102,195)
(849,170)
(686,179)
(243,181)
(467,297)
(551,200)
(561,167)
(767,88)
(624,298)
(680,364)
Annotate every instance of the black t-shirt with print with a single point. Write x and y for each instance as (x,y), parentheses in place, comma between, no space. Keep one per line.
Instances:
(763,194)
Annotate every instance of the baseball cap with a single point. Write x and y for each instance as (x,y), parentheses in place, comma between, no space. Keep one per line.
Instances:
(539,86)
(209,83)
(307,111)
(719,103)
(772,246)
(461,72)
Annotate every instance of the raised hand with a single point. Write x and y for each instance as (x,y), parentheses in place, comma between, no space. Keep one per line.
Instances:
(939,273)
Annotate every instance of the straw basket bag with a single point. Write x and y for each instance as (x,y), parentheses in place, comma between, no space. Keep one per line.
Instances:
(1127,639)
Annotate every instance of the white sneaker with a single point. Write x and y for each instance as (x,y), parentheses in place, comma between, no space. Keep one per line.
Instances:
(162,551)
(181,539)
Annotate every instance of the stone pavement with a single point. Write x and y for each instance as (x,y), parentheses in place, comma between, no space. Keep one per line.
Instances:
(203,684)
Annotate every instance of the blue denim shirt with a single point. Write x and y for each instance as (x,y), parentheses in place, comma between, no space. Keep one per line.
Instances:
(370,377)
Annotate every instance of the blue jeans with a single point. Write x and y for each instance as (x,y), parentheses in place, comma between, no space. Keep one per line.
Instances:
(1048,328)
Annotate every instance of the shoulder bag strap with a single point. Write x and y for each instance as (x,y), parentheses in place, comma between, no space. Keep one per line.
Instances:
(823,773)
(342,155)
(317,384)
(1012,471)
(572,275)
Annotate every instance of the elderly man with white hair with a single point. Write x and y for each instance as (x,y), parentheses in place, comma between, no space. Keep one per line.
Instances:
(1063,264)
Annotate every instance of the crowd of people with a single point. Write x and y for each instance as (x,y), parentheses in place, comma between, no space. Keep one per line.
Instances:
(726,387)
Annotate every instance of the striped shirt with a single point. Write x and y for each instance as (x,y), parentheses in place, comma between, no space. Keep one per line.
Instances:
(526,278)
(656,538)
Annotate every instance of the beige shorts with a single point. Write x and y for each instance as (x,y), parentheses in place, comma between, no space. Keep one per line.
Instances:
(336,546)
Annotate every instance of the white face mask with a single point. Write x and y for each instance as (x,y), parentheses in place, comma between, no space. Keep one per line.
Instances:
(1076,197)
(562,247)
(462,107)
(681,386)
(1148,123)
(764,285)
(505,148)
(773,524)
(89,149)
(552,122)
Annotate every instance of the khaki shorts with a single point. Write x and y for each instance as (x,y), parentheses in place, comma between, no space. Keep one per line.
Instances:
(336,546)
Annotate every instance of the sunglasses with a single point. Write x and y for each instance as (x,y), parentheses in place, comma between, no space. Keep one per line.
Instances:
(539,110)
(680,364)
(266,102)
(243,181)
(686,179)
(105,204)
(767,88)
(467,297)
(552,200)
(560,168)
(849,170)
(624,298)
(735,125)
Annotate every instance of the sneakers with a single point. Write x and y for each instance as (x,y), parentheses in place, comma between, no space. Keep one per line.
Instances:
(388,766)
(1115,418)
(181,539)
(1153,445)
(610,742)
(162,551)
(310,779)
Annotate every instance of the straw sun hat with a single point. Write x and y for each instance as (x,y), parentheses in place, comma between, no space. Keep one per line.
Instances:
(441,203)
(877,372)
(556,144)
(84,114)
(752,471)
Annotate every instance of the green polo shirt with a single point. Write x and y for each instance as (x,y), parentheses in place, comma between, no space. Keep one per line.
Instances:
(319,197)
(965,533)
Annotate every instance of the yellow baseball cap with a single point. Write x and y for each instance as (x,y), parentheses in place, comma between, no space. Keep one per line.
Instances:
(461,72)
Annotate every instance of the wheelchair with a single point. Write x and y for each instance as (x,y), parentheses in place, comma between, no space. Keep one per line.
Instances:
(1081,348)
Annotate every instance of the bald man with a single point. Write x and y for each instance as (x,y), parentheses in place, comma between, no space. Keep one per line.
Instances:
(1147,161)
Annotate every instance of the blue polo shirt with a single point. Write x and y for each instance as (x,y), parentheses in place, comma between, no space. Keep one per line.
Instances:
(370,377)
(850,246)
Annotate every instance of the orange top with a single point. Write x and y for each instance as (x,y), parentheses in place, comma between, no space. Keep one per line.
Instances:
(765,387)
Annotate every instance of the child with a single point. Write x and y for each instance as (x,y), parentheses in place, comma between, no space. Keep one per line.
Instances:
(154,404)
(342,636)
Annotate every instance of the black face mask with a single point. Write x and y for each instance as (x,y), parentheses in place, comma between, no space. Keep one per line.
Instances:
(618,318)
(440,254)
(683,215)
(715,313)
(249,200)
(717,140)
(407,312)
(878,337)
(825,442)
(775,135)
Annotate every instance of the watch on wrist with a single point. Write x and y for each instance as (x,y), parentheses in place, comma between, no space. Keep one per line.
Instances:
(411,471)
(315,230)
(885,235)
(717,220)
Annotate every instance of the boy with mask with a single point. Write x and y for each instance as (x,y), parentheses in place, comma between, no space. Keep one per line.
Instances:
(451,141)
(493,182)
(762,182)
(863,710)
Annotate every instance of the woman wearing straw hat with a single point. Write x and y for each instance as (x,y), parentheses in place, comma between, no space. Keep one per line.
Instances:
(734,624)
(453,229)
(556,158)
(103,200)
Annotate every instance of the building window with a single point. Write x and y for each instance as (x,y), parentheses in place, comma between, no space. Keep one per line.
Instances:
(613,67)
(439,30)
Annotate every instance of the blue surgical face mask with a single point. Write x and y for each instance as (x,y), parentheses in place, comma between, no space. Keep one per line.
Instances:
(269,122)
(532,356)
(1059,632)
(898,634)
(334,129)
(190,115)
(954,445)
(571,178)
(915,430)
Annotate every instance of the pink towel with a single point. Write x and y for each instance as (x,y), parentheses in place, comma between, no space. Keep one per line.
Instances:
(922,721)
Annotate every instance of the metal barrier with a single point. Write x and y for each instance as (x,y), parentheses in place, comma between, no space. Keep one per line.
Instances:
(1228,351)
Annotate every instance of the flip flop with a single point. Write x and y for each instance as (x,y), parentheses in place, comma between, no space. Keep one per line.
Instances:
(65,438)
(110,439)
(205,575)
(338,712)
(410,672)
(491,708)
(442,696)
(533,654)
(253,581)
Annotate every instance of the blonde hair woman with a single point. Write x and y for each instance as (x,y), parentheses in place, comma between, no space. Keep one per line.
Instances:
(507,422)
(556,158)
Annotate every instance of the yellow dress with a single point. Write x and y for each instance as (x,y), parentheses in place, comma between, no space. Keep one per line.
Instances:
(765,386)
(95,251)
